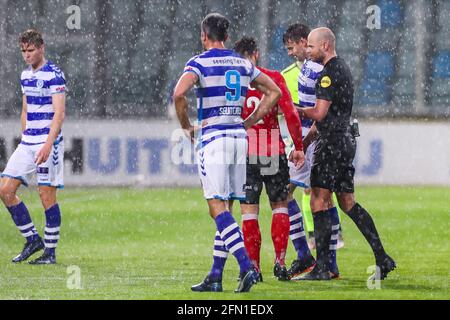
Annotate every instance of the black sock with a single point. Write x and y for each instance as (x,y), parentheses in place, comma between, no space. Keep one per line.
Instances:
(367,227)
(322,234)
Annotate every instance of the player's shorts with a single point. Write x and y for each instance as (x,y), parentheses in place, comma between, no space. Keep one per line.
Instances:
(276,182)
(333,163)
(22,166)
(301,177)
(222,168)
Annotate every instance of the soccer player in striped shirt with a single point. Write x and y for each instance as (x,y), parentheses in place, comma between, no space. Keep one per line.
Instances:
(295,40)
(221,78)
(41,150)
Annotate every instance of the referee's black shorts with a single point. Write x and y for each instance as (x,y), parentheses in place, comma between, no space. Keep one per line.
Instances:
(333,163)
(274,175)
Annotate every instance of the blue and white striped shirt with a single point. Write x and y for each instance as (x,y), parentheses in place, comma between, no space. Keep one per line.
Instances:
(38,88)
(224,78)
(307,80)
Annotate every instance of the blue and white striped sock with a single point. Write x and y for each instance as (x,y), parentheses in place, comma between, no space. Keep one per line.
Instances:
(22,219)
(335,225)
(297,231)
(220,256)
(52,228)
(232,237)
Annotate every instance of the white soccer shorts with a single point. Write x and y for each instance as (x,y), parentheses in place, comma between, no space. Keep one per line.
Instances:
(302,177)
(222,167)
(22,166)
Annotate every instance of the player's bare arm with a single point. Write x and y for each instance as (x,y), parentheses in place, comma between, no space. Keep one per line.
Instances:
(297,156)
(272,94)
(59,105)
(318,112)
(23,116)
(186,83)
(310,137)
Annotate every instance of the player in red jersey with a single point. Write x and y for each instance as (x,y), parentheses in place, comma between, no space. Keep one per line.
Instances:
(267,164)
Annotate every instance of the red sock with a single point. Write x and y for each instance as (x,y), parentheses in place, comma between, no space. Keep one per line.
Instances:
(252,238)
(280,234)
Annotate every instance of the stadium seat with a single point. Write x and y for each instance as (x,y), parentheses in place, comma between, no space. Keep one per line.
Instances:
(379,65)
(406,63)
(278,58)
(404,86)
(441,102)
(441,66)
(373,92)
(441,88)
(392,13)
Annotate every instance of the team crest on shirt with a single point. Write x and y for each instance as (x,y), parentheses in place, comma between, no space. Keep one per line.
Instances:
(325,82)
(40,84)
(307,72)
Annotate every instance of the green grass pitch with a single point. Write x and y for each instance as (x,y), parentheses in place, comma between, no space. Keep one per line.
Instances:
(154,244)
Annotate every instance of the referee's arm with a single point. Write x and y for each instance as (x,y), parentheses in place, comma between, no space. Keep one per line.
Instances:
(318,112)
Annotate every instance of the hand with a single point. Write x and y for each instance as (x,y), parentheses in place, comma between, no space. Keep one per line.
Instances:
(191,132)
(297,158)
(43,154)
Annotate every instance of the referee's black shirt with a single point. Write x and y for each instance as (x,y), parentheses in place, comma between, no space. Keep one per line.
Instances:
(336,85)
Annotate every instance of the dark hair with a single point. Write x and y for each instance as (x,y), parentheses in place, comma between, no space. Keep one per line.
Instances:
(296,32)
(215,26)
(31,36)
(246,46)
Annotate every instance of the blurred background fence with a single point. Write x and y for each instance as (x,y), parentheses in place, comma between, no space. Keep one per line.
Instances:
(124,57)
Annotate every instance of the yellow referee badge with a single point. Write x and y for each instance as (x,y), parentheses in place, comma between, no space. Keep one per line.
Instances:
(325,82)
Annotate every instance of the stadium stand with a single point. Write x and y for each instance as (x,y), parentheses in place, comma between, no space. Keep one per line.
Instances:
(124,60)
(379,68)
(440,89)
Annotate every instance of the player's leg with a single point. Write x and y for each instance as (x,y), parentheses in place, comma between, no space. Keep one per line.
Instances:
(19,168)
(211,172)
(277,191)
(50,178)
(280,237)
(320,200)
(21,218)
(307,218)
(340,241)
(335,224)
(367,227)
(304,261)
(252,233)
(299,177)
(216,177)
(250,214)
(52,225)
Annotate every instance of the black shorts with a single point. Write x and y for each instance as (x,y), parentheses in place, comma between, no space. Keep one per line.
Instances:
(333,163)
(274,176)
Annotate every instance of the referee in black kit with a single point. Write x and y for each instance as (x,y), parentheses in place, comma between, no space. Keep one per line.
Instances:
(333,169)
